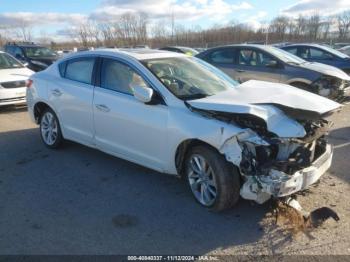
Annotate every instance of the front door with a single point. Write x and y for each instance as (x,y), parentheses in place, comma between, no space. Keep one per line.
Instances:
(123,125)
(253,64)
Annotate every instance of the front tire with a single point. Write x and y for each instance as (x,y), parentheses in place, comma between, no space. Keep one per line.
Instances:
(50,130)
(215,183)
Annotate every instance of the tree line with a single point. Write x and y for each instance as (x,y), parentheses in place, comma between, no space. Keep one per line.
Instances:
(132,29)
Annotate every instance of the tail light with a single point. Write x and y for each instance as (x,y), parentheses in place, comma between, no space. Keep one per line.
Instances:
(29,83)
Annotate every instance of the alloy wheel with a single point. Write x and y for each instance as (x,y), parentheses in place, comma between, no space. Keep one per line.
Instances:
(202,180)
(49,128)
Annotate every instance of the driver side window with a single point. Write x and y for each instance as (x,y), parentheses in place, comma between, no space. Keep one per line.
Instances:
(250,57)
(119,77)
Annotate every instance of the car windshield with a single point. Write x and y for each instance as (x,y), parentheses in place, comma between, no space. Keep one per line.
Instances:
(334,52)
(284,55)
(189,78)
(8,62)
(37,51)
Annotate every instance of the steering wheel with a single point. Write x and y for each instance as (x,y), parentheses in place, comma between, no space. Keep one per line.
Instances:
(174,80)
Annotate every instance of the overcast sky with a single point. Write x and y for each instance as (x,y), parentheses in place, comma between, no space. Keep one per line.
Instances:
(55,16)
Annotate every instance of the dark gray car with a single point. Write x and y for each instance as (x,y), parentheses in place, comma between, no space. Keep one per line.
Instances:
(267,63)
(321,54)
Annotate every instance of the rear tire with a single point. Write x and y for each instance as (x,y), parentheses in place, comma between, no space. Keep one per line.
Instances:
(50,130)
(214,182)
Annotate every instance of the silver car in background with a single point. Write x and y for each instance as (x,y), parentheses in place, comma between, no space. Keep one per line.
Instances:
(267,63)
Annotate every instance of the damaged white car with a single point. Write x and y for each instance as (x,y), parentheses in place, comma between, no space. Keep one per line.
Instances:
(179,115)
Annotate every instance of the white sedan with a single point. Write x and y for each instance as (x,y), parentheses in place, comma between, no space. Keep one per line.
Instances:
(13,77)
(181,116)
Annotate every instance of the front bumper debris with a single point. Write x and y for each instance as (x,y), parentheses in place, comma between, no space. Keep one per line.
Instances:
(280,184)
(307,176)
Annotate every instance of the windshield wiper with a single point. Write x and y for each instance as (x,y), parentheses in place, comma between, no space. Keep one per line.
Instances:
(192,96)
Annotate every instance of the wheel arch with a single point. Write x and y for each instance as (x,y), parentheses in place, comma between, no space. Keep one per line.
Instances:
(183,149)
(299,80)
(39,108)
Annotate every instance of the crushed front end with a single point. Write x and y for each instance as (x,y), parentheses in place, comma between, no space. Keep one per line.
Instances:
(279,167)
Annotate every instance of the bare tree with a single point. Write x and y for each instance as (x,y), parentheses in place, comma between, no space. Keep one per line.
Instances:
(44,38)
(343,22)
(23,31)
(108,34)
(130,29)
(313,27)
(300,27)
(279,27)
(83,34)
(326,25)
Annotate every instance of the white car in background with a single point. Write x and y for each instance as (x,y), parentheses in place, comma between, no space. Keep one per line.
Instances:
(13,80)
(179,115)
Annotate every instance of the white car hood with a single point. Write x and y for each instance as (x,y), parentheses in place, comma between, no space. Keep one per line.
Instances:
(326,70)
(267,101)
(15,74)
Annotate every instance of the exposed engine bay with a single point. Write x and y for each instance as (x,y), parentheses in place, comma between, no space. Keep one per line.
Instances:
(272,166)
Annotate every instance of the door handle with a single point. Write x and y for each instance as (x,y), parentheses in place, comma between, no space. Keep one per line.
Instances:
(240,70)
(103,108)
(56,92)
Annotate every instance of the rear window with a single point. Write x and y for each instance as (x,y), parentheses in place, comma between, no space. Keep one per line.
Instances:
(80,70)
(62,68)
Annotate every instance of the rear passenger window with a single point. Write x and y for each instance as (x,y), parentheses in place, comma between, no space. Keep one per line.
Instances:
(80,70)
(222,56)
(250,57)
(62,68)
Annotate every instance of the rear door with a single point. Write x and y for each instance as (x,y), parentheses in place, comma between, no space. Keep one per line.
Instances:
(72,97)
(253,63)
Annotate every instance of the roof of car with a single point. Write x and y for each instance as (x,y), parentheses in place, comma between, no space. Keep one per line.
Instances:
(304,44)
(138,53)
(23,44)
(243,45)
(177,46)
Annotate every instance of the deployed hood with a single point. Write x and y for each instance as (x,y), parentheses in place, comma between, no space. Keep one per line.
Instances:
(326,70)
(271,102)
(15,74)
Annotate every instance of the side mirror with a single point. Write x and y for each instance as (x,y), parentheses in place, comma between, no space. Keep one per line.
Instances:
(143,94)
(272,63)
(25,64)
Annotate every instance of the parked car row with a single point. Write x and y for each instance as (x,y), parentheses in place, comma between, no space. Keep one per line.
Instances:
(268,63)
